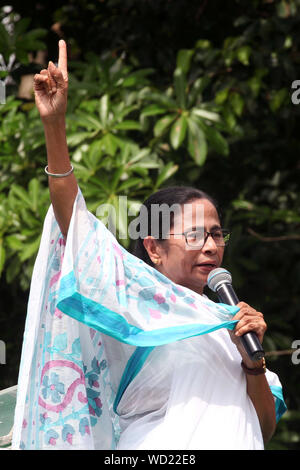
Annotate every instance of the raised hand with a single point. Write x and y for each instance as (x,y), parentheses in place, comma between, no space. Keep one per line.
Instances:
(51,88)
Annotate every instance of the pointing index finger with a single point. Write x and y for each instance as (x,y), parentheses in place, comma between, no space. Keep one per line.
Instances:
(62,58)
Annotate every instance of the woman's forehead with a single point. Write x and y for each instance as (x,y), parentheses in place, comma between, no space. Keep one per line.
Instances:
(199,213)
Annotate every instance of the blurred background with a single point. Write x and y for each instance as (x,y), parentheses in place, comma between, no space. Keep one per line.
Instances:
(163,92)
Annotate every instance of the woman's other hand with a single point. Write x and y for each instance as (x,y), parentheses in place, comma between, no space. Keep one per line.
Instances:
(51,88)
(249,320)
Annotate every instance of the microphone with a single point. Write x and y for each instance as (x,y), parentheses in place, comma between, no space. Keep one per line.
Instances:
(220,281)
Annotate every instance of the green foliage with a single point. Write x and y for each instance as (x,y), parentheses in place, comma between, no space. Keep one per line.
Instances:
(190,122)
(16,41)
(118,144)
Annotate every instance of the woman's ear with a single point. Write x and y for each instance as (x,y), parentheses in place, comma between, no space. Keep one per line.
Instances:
(153,249)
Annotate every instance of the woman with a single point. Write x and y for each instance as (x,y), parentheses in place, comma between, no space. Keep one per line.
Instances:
(165,374)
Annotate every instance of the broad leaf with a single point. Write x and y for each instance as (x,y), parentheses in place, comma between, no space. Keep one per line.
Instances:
(184,57)
(166,173)
(217,141)
(78,137)
(30,249)
(180,88)
(162,124)
(2,255)
(128,125)
(103,110)
(178,132)
(209,115)
(34,193)
(153,110)
(110,144)
(197,145)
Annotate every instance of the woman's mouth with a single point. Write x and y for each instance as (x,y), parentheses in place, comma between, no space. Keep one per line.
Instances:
(206,266)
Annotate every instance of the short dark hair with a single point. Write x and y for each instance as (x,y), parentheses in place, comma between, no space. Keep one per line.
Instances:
(169,196)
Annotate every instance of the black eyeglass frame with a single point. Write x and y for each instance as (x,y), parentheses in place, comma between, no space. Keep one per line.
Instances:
(207,234)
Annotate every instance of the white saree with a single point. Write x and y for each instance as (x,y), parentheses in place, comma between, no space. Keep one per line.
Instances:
(116,356)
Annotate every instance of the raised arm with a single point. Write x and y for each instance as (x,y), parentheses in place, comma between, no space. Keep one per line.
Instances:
(51,93)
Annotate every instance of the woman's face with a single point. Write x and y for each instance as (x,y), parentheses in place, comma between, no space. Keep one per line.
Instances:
(183,265)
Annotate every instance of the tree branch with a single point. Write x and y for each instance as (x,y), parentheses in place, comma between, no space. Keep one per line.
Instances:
(284,352)
(273,239)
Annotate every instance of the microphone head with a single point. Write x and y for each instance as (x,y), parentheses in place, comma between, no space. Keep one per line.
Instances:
(218,276)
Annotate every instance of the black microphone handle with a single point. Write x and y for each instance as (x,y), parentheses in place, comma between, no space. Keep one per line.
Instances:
(249,340)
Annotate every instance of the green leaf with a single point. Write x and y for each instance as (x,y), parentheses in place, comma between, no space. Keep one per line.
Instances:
(103,111)
(21,194)
(2,255)
(13,269)
(166,173)
(221,96)
(178,131)
(184,57)
(153,110)
(209,115)
(229,117)
(116,178)
(278,98)
(15,242)
(94,154)
(161,98)
(128,125)
(203,44)
(162,124)
(30,249)
(180,88)
(136,78)
(243,54)
(196,90)
(82,172)
(146,162)
(110,143)
(34,193)
(217,141)
(237,103)
(130,183)
(142,154)
(77,138)
(197,146)
(86,120)
(21,26)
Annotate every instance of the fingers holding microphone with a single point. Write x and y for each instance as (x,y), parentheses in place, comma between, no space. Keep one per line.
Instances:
(249,320)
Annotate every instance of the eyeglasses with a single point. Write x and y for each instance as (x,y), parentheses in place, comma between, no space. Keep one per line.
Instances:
(197,238)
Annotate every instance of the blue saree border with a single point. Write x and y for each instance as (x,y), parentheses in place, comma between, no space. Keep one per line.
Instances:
(280,406)
(133,367)
(106,321)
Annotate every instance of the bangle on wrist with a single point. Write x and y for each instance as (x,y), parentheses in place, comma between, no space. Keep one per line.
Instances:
(59,175)
(256,370)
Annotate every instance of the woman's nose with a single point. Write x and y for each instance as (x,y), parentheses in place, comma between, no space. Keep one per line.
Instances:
(209,244)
